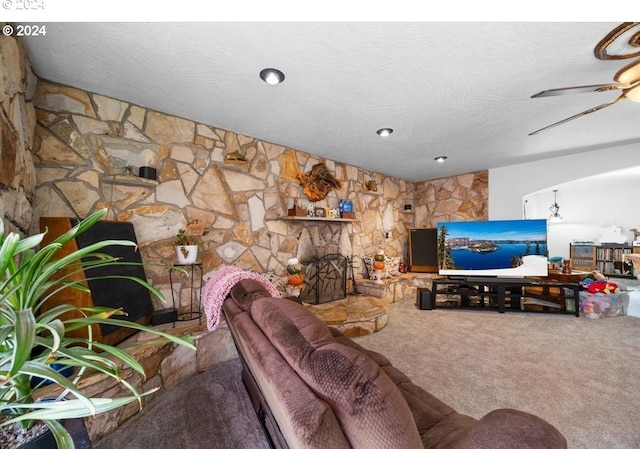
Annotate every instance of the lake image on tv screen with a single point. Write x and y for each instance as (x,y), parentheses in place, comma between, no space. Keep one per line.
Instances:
(489,245)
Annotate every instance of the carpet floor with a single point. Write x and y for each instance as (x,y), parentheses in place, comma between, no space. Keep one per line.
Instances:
(579,374)
(208,410)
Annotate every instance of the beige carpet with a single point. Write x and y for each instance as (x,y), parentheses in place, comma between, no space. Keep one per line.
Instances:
(582,375)
(207,410)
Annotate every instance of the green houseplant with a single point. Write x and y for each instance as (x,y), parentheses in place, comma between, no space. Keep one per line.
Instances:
(187,246)
(35,345)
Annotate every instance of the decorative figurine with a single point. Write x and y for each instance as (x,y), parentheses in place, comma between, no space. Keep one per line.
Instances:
(378,266)
(295,277)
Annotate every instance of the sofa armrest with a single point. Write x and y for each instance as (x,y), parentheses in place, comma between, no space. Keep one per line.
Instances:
(509,428)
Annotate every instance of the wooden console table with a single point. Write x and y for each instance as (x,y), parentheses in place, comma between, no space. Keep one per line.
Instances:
(507,294)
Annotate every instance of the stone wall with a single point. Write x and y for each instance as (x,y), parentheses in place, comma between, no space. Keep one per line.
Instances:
(87,149)
(87,146)
(17,122)
(458,198)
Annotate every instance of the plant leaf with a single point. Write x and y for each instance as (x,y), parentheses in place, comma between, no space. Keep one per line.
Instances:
(23,339)
(61,435)
(46,372)
(72,408)
(133,325)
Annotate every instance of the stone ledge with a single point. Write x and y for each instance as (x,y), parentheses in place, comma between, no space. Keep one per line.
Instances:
(396,288)
(355,315)
(129,180)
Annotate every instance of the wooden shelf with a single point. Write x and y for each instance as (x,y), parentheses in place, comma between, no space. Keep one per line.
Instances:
(348,220)
(607,259)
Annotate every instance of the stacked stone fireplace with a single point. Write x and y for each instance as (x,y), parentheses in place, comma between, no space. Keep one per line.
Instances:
(325,250)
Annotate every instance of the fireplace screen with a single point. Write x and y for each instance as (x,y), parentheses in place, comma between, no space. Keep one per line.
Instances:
(325,279)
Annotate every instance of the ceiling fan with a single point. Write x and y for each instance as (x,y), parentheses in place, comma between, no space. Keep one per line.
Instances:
(623,42)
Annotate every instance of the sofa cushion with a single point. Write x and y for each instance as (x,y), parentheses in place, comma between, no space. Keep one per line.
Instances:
(370,408)
(245,291)
(302,419)
(373,355)
(283,320)
(512,428)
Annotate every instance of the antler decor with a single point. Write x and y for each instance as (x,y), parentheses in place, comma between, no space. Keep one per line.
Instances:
(318,182)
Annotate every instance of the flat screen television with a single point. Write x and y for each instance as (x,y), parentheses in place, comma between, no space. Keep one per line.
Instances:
(499,248)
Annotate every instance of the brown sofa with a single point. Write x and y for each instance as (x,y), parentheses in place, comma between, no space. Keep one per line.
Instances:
(312,387)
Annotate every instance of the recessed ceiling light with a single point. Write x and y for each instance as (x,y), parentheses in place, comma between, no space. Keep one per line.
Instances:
(384,132)
(272,76)
(440,159)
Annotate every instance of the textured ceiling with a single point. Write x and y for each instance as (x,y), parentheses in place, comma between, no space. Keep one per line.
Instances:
(456,89)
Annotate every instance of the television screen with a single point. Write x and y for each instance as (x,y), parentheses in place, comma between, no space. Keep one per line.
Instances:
(509,248)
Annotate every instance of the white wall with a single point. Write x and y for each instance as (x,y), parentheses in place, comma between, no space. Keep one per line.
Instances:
(595,190)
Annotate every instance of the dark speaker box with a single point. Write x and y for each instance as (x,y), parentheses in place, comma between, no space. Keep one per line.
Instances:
(126,294)
(164,316)
(424,299)
(423,250)
(147,172)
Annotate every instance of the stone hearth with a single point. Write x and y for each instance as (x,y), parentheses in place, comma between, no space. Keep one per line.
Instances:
(366,313)
(355,315)
(396,288)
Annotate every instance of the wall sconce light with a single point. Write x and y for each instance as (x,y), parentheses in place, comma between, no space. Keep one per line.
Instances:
(555,217)
(235,156)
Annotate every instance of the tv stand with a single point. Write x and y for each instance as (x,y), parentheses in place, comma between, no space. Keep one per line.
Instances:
(502,294)
(496,280)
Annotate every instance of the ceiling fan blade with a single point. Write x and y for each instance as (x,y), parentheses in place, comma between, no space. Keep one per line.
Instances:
(578,90)
(573,117)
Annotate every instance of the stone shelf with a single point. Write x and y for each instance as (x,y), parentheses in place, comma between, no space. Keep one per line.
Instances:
(129,180)
(318,219)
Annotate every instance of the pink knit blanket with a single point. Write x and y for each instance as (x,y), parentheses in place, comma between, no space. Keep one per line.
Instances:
(218,287)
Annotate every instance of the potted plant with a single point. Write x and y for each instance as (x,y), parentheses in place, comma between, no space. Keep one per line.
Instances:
(35,346)
(187,247)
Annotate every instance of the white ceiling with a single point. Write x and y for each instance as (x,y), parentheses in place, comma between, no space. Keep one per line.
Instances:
(456,89)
